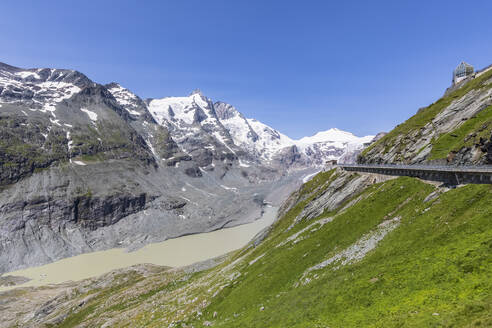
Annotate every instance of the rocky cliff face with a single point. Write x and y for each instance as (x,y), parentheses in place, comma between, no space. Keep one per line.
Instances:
(455,130)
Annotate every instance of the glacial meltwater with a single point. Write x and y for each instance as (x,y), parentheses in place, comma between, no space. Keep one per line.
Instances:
(175,252)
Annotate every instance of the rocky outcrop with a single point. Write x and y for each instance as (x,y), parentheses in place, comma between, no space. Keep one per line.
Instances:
(340,188)
(287,157)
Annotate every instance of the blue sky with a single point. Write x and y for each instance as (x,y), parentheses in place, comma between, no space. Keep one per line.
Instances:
(299,66)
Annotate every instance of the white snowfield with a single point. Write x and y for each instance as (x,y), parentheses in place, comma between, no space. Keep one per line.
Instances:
(182,108)
(309,177)
(333,136)
(25,74)
(45,93)
(125,98)
(270,140)
(91,114)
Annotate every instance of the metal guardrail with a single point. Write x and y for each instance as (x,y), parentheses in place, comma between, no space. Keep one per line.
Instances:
(431,168)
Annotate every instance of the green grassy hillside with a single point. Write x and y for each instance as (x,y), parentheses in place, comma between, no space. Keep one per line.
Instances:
(421,128)
(434,269)
(466,135)
(404,254)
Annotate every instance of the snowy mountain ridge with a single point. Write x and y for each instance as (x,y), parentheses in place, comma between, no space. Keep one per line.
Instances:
(203,129)
(232,128)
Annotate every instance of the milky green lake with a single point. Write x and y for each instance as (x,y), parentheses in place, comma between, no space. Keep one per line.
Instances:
(175,252)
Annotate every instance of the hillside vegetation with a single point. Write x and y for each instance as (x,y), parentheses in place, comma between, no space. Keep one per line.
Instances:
(456,129)
(398,253)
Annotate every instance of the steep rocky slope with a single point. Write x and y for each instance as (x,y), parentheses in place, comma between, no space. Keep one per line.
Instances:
(53,116)
(349,250)
(196,128)
(455,130)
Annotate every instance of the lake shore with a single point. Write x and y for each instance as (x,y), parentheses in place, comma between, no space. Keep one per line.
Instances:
(175,252)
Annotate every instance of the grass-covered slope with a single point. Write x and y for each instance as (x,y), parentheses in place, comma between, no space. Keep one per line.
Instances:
(433,269)
(399,253)
(456,129)
(474,131)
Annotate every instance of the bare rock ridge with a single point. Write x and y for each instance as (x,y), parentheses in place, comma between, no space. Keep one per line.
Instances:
(85,166)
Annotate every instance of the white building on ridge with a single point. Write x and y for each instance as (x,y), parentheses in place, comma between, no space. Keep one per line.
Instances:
(461,72)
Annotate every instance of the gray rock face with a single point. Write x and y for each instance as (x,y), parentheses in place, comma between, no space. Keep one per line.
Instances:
(343,186)
(86,167)
(287,157)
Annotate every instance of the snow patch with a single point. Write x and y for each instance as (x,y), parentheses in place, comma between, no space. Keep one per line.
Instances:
(242,164)
(91,114)
(79,163)
(151,148)
(332,135)
(57,122)
(69,145)
(44,93)
(25,74)
(133,112)
(309,176)
(178,108)
(228,188)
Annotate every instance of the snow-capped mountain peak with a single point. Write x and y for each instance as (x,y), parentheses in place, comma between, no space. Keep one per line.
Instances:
(184,109)
(250,134)
(202,129)
(130,102)
(197,92)
(332,144)
(40,89)
(333,135)
(269,144)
